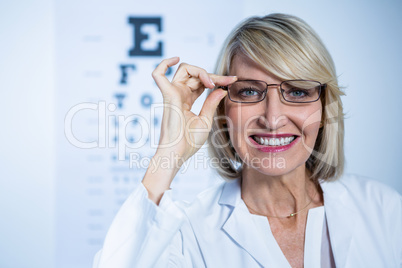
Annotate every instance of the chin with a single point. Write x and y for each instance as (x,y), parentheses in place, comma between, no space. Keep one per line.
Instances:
(273,164)
(272,172)
(269,165)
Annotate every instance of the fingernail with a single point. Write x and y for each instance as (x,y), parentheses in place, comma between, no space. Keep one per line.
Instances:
(211,81)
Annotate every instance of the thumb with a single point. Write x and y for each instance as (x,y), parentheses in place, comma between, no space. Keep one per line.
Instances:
(211,102)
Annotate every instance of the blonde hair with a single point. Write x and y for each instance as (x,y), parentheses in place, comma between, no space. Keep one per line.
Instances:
(288,48)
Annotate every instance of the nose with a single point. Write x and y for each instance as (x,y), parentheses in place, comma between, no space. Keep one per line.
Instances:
(273,117)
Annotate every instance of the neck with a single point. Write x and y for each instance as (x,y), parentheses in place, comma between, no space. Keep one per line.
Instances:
(279,195)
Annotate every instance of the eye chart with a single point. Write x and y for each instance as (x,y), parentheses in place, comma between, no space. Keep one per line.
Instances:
(109,108)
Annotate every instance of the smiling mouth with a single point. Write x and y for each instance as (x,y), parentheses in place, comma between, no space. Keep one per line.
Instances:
(273,141)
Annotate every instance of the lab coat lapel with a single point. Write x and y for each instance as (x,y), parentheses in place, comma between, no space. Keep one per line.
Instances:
(240,225)
(241,228)
(340,219)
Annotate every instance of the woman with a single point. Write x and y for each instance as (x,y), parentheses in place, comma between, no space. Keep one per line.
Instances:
(277,130)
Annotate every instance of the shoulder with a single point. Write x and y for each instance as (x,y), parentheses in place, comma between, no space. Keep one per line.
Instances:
(216,200)
(363,193)
(368,211)
(210,196)
(365,188)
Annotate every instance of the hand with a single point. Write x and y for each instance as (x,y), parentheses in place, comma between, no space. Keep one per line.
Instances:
(182,131)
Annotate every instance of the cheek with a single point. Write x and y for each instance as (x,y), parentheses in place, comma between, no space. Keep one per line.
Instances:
(234,123)
(239,116)
(310,132)
(309,122)
(236,117)
(232,116)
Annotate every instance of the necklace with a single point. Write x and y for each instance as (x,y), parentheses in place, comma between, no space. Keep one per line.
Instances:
(288,216)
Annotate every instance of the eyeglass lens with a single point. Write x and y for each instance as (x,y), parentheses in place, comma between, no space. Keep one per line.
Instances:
(298,91)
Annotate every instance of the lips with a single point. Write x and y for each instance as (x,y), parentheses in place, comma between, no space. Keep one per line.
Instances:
(274,143)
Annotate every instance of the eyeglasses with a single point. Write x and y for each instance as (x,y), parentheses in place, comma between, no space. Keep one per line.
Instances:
(295,91)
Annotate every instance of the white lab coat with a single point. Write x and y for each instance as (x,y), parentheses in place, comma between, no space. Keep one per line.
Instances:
(364,221)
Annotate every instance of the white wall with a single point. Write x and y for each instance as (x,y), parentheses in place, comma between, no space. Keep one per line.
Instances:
(26,136)
(363,37)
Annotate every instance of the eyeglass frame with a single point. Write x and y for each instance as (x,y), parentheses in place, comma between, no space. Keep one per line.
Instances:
(322,87)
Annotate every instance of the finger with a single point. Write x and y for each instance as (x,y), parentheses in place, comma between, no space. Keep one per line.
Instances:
(222,80)
(159,73)
(210,104)
(195,85)
(186,71)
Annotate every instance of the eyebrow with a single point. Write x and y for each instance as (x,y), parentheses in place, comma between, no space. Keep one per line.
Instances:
(243,78)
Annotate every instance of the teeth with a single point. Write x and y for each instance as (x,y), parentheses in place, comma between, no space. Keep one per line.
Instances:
(274,141)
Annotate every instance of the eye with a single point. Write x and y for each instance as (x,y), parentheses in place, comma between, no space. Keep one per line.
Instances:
(297,93)
(249,92)
(300,91)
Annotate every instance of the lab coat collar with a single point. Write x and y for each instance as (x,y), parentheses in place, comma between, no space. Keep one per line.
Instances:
(231,193)
(240,225)
(340,220)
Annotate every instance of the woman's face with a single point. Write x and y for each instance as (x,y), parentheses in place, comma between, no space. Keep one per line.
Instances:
(271,136)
